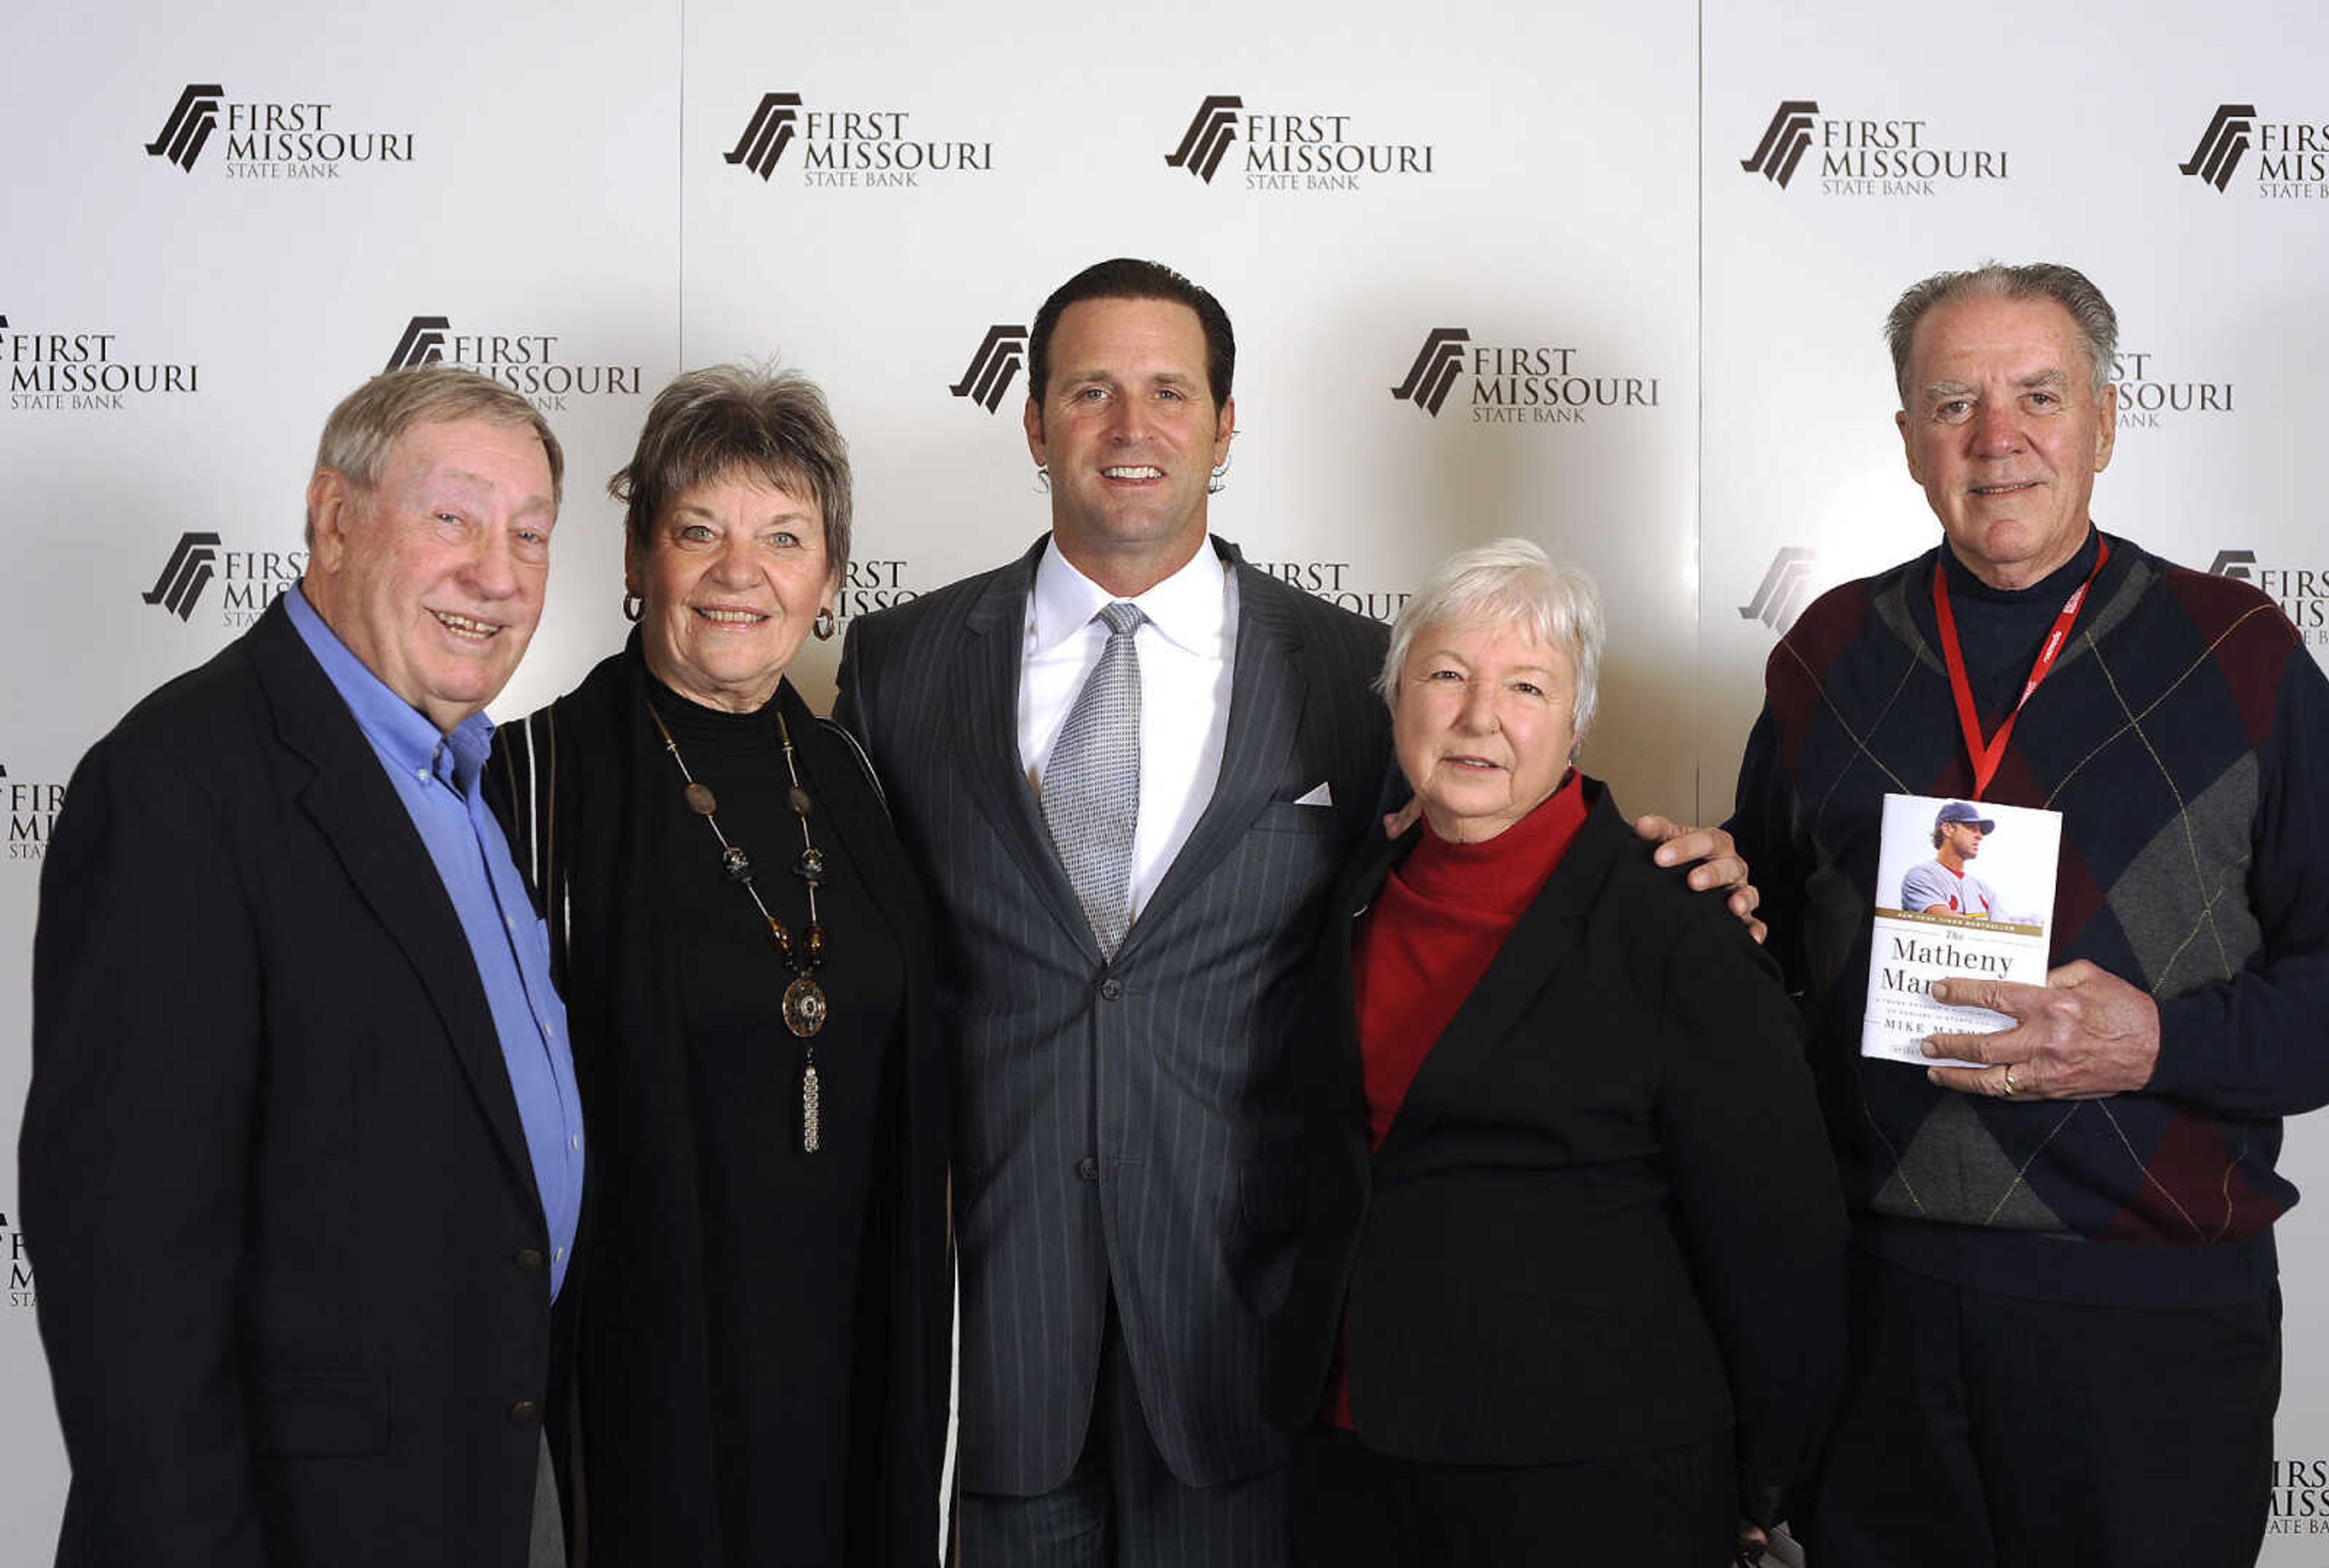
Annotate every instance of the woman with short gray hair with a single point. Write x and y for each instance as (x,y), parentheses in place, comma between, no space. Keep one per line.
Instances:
(1512,581)
(1570,1283)
(760,1334)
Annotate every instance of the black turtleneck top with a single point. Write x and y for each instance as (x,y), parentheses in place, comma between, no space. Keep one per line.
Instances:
(782,1228)
(2002,629)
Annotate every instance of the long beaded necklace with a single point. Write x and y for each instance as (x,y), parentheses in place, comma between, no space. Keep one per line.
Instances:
(804,1002)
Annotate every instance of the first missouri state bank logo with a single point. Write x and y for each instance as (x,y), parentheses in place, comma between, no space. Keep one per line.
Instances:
(1785,590)
(2302,592)
(21,1289)
(2222,145)
(188,129)
(33,810)
(1289,150)
(185,574)
(1436,365)
(254,579)
(1509,383)
(2299,1504)
(851,149)
(988,381)
(2149,397)
(270,139)
(2292,156)
(1207,140)
(1785,142)
(1864,156)
(82,370)
(423,343)
(770,132)
(1336,582)
(530,363)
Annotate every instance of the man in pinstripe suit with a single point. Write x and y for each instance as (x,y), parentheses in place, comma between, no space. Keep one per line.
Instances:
(1127,1187)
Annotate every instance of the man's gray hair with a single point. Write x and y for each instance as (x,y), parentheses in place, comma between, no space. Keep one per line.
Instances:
(2067,287)
(1507,582)
(369,420)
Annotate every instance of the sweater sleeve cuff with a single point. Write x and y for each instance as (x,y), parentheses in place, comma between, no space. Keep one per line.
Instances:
(2191,1030)
(2248,1048)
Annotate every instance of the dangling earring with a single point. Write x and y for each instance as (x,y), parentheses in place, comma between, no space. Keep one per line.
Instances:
(634,607)
(823,627)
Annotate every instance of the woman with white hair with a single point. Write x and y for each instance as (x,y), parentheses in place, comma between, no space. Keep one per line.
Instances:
(1569,1287)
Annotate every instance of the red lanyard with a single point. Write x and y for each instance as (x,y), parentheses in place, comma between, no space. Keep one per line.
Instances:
(1986,758)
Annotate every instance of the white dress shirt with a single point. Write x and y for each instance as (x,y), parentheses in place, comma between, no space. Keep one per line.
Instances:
(1187,648)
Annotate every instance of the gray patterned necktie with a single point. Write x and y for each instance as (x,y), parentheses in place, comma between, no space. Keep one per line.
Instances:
(1091,790)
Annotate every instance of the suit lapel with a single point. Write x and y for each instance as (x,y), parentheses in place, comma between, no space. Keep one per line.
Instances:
(985,693)
(349,798)
(1335,1072)
(1528,958)
(1268,689)
(1361,885)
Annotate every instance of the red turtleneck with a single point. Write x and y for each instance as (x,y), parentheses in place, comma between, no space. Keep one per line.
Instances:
(1431,933)
(1435,925)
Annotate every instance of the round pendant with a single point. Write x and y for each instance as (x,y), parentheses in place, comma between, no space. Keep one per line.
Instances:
(804,1007)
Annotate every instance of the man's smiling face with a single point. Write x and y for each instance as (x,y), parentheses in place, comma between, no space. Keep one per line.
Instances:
(433,576)
(1128,431)
(2006,431)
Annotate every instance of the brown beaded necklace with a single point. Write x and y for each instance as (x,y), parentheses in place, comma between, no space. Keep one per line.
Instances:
(804,1002)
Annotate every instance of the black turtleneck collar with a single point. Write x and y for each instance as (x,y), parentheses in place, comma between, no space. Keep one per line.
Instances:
(2054,587)
(2001,629)
(695,723)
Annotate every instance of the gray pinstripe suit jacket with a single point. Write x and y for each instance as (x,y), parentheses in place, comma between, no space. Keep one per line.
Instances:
(1130,1124)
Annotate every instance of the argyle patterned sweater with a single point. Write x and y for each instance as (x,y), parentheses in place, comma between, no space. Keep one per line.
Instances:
(2184,734)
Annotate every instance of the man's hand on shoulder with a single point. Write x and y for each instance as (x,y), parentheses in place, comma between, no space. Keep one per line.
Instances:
(1713,861)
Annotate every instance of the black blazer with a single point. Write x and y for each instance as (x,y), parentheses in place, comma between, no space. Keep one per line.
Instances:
(1605,1220)
(291,1262)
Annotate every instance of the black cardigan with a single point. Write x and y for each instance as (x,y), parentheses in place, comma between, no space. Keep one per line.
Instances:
(573,784)
(1606,1219)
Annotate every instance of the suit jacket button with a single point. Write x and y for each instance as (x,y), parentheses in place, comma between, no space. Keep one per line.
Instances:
(524,1411)
(1111,989)
(531,1260)
(1087,1168)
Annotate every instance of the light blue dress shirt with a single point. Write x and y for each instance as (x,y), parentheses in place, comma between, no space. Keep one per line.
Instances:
(439,779)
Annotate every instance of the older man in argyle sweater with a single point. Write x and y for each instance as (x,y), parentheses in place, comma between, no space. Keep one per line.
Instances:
(2066,1331)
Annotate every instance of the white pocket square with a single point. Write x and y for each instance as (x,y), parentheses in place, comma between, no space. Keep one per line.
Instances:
(1320,795)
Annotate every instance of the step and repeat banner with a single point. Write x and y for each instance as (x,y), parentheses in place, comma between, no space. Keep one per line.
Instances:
(1608,276)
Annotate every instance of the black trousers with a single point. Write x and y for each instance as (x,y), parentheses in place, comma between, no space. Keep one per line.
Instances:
(1981,1431)
(1356,1508)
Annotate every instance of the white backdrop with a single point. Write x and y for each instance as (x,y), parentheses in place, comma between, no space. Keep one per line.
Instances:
(1551,196)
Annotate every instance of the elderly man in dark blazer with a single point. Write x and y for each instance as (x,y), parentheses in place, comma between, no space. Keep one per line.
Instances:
(301,1160)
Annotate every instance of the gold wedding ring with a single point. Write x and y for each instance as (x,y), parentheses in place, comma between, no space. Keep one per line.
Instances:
(2009,1081)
